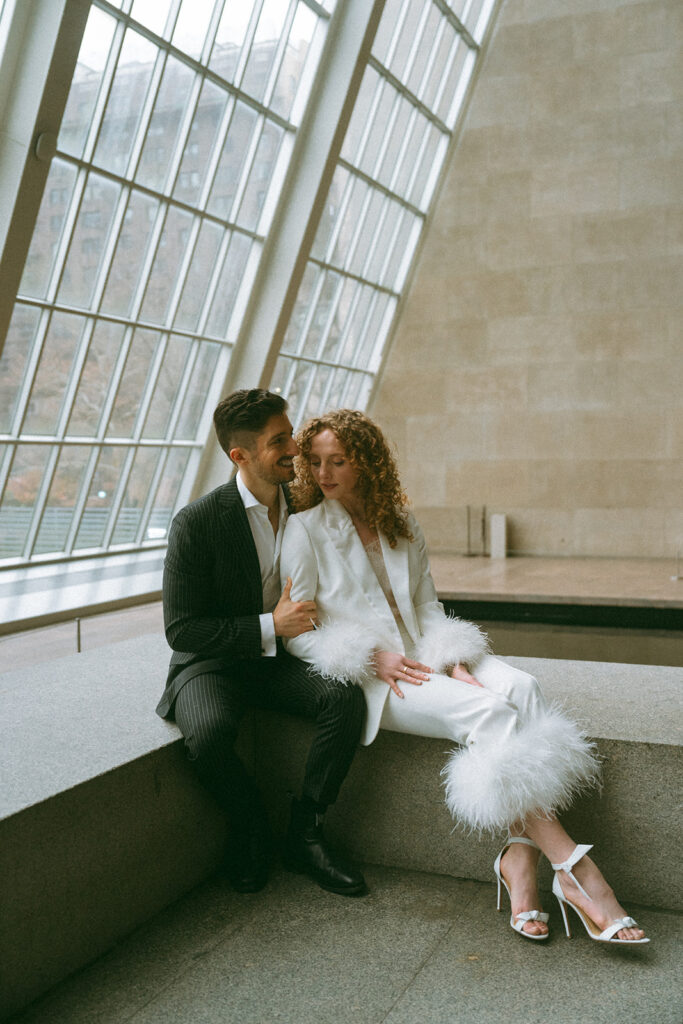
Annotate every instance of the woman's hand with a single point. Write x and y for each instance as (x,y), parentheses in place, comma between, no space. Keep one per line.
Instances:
(460,672)
(391,668)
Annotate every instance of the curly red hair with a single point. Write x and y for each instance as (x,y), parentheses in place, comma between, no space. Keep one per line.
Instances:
(368,452)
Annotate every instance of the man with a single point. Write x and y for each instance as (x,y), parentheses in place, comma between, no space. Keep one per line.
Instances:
(224,617)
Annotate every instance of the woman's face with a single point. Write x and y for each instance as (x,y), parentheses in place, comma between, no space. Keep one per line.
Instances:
(332,471)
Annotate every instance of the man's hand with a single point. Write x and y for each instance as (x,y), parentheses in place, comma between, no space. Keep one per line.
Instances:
(392,667)
(293,617)
(459,672)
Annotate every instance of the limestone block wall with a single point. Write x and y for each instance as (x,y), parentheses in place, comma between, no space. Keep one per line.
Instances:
(536,369)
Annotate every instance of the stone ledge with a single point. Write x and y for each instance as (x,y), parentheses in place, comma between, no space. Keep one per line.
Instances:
(103,824)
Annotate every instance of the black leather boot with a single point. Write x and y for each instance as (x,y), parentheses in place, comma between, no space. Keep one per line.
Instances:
(308,853)
(247,857)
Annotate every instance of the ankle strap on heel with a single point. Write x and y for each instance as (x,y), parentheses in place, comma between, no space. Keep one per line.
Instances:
(521,839)
(567,865)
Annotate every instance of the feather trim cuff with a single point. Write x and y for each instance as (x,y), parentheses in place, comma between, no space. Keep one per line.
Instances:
(450,641)
(537,770)
(343,650)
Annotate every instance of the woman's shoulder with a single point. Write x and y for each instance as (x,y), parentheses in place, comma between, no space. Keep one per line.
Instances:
(308,516)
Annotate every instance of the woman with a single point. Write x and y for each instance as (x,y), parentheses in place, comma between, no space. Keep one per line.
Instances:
(356,551)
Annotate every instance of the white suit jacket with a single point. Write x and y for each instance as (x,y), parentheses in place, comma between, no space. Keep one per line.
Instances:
(326,560)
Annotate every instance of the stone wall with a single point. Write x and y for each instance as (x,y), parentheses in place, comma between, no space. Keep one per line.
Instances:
(536,369)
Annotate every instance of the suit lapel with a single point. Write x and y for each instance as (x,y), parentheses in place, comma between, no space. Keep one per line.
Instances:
(241,539)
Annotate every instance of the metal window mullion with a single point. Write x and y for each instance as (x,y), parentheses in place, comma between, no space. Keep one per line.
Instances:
(389,254)
(252,150)
(446,73)
(41,500)
(218,263)
(363,332)
(463,85)
(150,385)
(183,269)
(388,129)
(358,230)
(146,114)
(403,150)
(5,464)
(324,397)
(431,60)
(344,203)
(64,244)
(162,460)
(457,24)
(379,187)
(104,92)
(114,385)
(210,38)
(107,258)
(435,170)
(74,378)
(418,39)
(183,135)
(372,247)
(310,313)
(150,256)
(161,197)
(81,500)
(398,29)
(372,111)
(111,318)
(279,53)
(119,495)
(30,372)
(401,87)
(354,277)
(243,58)
(344,333)
(417,167)
(308,387)
(333,306)
(232,87)
(215,158)
(188,370)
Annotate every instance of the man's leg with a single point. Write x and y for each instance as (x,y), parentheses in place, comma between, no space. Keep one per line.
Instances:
(337,711)
(209,710)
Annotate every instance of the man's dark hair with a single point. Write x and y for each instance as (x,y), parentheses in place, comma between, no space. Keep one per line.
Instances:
(243,414)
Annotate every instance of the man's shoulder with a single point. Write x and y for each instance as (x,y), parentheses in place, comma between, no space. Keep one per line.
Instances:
(217,502)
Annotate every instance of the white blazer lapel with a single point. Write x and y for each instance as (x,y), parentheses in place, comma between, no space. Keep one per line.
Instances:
(342,534)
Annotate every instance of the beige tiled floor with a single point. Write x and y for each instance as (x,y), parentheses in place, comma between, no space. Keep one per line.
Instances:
(635,581)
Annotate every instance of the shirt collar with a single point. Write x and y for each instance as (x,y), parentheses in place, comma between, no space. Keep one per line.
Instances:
(249,501)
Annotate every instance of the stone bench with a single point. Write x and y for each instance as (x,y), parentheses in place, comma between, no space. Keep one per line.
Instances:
(102,823)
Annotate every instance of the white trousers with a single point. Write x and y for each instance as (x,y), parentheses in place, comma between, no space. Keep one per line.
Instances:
(448,708)
(516,756)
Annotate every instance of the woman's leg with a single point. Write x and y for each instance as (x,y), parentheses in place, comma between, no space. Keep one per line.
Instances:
(449,709)
(557,845)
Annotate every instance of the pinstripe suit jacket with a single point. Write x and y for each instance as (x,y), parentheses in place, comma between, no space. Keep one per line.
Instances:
(212,589)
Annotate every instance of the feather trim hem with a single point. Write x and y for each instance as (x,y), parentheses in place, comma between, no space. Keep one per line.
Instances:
(538,770)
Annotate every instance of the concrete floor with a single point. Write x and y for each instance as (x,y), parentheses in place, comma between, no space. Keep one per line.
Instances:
(420,948)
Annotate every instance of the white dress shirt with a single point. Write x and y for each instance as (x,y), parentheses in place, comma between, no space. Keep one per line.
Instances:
(268,546)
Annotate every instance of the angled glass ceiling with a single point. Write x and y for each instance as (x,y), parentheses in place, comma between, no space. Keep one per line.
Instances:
(413,89)
(177,135)
(175,140)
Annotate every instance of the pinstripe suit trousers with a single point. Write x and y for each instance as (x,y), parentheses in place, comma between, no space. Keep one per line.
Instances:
(210,707)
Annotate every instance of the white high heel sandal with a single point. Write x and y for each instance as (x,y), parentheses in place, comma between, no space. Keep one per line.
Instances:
(609,933)
(518,921)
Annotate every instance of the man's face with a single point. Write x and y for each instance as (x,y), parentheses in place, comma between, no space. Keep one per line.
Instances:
(270,459)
